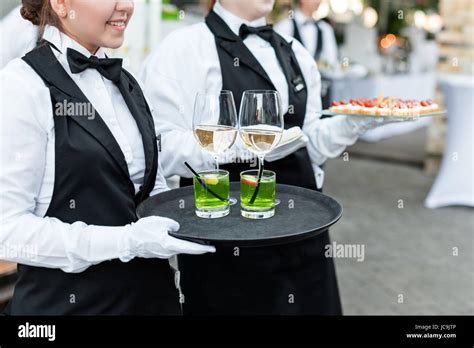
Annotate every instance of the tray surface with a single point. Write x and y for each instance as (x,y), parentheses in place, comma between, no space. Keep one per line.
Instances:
(394,117)
(301,214)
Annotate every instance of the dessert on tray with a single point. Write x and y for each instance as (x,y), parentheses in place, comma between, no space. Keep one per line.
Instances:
(384,107)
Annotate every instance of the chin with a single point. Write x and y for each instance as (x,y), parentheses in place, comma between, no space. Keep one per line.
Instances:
(265,9)
(113,43)
(268,5)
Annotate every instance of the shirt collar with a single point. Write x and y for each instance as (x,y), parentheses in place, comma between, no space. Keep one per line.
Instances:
(62,42)
(301,18)
(234,22)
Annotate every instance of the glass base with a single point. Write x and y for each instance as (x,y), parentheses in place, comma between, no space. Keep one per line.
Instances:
(212,213)
(257,215)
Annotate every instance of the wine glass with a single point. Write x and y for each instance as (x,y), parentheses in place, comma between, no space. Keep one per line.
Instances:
(215,124)
(260,123)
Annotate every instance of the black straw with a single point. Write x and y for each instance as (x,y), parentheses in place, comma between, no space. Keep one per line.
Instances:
(255,193)
(203,183)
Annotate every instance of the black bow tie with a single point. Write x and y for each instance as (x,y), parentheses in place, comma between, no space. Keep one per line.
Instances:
(110,68)
(265,32)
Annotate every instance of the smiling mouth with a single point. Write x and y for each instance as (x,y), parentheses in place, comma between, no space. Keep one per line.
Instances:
(117,24)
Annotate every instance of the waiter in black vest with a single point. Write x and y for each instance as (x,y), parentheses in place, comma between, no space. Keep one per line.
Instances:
(235,50)
(316,35)
(78,154)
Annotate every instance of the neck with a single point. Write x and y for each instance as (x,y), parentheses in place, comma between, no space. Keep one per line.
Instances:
(234,8)
(90,47)
(306,11)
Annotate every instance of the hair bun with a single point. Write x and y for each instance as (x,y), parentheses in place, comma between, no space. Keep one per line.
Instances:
(31,10)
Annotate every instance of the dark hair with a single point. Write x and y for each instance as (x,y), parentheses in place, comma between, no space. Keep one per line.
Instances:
(39,12)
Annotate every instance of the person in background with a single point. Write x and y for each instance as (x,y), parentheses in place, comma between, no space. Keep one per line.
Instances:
(201,58)
(316,35)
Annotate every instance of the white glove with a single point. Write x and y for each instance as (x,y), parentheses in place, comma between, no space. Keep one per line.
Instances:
(292,140)
(359,125)
(149,238)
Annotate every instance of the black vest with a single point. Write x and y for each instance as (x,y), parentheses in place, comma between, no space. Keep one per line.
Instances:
(92,184)
(241,71)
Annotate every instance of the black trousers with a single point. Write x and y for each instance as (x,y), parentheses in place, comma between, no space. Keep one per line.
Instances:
(291,279)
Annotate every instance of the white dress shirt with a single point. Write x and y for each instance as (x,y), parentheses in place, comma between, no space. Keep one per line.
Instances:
(27,163)
(309,35)
(187,62)
(17,36)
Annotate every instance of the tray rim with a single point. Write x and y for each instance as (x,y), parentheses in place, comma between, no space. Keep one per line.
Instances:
(326,112)
(266,241)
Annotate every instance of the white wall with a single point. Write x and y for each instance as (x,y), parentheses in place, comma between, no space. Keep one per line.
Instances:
(7,5)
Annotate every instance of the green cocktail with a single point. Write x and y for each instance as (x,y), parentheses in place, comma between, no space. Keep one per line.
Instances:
(257,201)
(211,194)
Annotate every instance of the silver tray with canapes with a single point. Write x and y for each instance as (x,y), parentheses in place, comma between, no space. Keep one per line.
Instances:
(385,107)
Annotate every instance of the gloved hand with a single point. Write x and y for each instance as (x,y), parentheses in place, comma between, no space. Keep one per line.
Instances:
(292,140)
(359,125)
(149,238)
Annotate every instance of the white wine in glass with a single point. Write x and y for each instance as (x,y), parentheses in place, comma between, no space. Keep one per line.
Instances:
(260,122)
(215,139)
(215,124)
(260,139)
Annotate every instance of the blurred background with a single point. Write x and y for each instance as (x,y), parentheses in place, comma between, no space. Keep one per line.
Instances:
(407,189)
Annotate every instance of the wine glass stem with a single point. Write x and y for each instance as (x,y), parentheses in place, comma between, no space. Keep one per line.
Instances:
(260,162)
(216,162)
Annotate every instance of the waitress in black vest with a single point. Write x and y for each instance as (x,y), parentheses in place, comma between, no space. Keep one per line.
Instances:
(316,35)
(235,50)
(78,153)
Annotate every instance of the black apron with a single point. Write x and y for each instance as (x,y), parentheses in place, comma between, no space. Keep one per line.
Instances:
(92,184)
(325,83)
(287,279)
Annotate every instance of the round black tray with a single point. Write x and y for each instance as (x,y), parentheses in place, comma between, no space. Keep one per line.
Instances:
(301,214)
